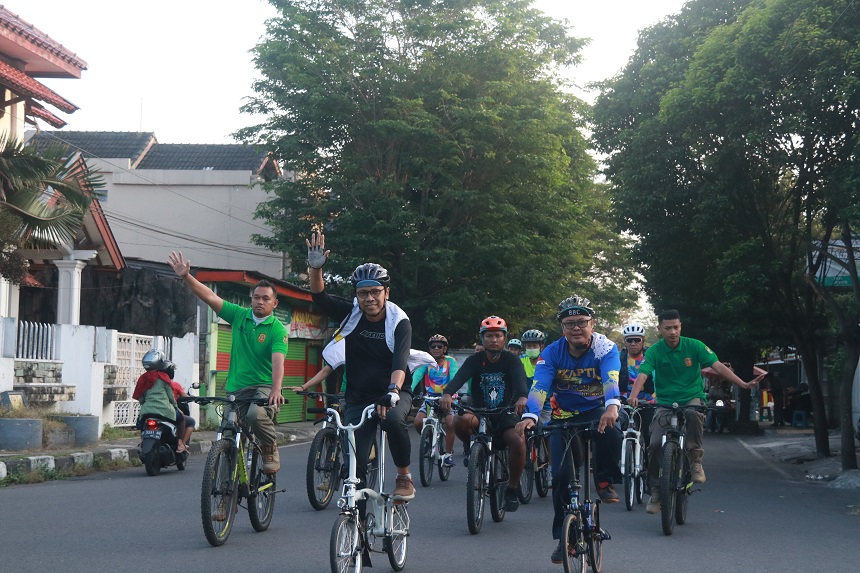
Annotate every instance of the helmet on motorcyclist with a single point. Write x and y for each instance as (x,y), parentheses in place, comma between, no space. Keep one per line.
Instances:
(154,360)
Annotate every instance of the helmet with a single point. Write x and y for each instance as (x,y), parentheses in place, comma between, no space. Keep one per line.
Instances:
(493,323)
(515,342)
(370,274)
(533,335)
(438,338)
(572,306)
(154,360)
(633,329)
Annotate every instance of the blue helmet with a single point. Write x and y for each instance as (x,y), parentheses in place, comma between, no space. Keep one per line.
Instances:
(370,274)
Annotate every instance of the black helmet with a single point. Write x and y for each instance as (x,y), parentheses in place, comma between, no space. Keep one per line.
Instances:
(574,305)
(370,274)
(154,360)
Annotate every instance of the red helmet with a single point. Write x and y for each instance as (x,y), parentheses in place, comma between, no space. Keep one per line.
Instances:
(494,323)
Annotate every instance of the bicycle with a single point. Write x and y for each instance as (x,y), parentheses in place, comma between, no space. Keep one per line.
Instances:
(353,538)
(676,482)
(326,468)
(536,472)
(634,459)
(581,532)
(488,471)
(432,446)
(233,471)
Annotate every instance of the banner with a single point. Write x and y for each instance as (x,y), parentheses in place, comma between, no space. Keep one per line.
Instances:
(307,325)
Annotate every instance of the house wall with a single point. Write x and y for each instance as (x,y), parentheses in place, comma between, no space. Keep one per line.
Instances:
(12,119)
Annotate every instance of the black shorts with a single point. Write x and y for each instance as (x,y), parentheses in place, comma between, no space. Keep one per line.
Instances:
(498,424)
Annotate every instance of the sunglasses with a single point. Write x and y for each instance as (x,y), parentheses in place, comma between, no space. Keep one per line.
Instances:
(633,340)
(437,345)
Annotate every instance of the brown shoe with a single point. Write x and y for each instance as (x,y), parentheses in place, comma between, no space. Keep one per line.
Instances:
(697,472)
(271,459)
(404,490)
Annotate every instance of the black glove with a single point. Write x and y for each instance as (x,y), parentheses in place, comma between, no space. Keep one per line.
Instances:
(390,400)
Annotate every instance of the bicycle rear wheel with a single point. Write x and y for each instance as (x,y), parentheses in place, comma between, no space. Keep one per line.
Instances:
(574,544)
(261,501)
(595,540)
(425,455)
(683,495)
(396,544)
(444,471)
(323,471)
(219,494)
(642,476)
(498,485)
(476,488)
(668,485)
(527,479)
(542,468)
(629,474)
(344,546)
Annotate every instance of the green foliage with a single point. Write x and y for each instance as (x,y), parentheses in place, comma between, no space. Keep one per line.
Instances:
(436,139)
(116,433)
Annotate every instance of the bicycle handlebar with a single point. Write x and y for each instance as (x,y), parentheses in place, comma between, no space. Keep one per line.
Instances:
(206,400)
(485,411)
(556,426)
(319,395)
(366,414)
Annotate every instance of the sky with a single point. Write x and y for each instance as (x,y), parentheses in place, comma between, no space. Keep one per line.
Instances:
(182,68)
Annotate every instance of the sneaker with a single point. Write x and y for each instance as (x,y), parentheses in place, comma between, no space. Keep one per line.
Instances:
(697,472)
(448,460)
(558,553)
(512,500)
(271,459)
(404,490)
(606,493)
(653,501)
(220,513)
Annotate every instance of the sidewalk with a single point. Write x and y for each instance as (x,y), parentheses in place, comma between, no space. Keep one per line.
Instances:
(125,449)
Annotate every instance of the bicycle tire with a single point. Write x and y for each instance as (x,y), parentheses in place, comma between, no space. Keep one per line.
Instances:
(444,471)
(498,486)
(668,485)
(345,545)
(425,455)
(323,471)
(683,495)
(574,552)
(642,475)
(261,501)
(220,490)
(527,478)
(595,540)
(476,488)
(629,474)
(396,545)
(542,481)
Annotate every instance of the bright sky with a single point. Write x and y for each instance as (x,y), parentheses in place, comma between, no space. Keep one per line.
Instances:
(181,68)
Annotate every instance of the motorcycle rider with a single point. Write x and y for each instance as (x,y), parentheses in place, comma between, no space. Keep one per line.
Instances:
(157,396)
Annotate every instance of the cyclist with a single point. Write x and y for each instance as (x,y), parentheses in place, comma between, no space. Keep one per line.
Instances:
(496,379)
(676,362)
(533,341)
(631,358)
(433,379)
(578,373)
(257,355)
(376,335)
(515,347)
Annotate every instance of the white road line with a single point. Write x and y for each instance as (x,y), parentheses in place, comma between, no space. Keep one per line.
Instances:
(772,465)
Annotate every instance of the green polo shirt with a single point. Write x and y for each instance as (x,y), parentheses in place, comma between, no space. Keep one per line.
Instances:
(678,371)
(252,347)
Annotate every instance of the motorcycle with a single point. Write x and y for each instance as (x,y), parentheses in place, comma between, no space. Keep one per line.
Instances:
(158,443)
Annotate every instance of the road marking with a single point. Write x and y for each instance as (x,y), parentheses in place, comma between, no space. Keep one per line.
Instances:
(772,465)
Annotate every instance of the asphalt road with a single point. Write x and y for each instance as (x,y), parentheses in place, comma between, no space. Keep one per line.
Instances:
(749,516)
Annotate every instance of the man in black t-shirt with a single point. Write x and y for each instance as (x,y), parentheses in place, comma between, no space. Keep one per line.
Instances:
(377,336)
(496,379)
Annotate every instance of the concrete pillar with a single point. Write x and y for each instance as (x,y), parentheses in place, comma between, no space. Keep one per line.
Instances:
(69,292)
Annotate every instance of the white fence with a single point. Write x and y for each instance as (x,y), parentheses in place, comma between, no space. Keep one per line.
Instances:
(129,353)
(35,341)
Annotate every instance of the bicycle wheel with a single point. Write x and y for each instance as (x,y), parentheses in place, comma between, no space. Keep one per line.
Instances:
(668,485)
(395,544)
(261,501)
(542,481)
(344,547)
(595,540)
(476,488)
(219,494)
(425,455)
(498,484)
(683,490)
(629,474)
(444,471)
(323,471)
(527,479)
(373,466)
(574,545)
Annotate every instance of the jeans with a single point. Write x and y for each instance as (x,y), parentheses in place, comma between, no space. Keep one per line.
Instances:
(261,419)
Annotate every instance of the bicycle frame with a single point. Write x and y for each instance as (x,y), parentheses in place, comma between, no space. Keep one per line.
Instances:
(432,419)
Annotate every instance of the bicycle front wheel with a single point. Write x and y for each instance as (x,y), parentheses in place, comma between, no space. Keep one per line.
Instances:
(425,455)
(344,546)
(219,495)
(595,540)
(476,488)
(541,468)
(395,544)
(669,463)
(261,502)
(629,474)
(574,544)
(683,495)
(323,471)
(527,479)
(444,471)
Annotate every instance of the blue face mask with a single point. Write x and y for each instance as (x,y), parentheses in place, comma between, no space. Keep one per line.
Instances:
(533,352)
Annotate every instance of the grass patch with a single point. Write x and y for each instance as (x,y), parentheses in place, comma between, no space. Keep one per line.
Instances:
(42,475)
(114,433)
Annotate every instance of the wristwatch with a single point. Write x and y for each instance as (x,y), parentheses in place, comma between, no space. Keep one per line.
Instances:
(394,388)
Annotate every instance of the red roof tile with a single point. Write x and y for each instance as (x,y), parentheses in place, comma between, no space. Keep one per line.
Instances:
(26,30)
(36,110)
(23,85)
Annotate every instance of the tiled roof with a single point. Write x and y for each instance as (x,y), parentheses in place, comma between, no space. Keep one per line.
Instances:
(23,28)
(23,85)
(192,156)
(101,144)
(36,110)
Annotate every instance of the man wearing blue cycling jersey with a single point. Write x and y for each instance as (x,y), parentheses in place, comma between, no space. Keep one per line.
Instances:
(578,373)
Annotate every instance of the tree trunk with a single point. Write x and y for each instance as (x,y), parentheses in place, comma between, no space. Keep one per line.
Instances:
(810,366)
(849,455)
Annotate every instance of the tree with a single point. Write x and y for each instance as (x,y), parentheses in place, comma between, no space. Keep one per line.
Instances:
(435,138)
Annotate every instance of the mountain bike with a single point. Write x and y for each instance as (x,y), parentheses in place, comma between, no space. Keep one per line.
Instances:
(353,537)
(581,532)
(676,482)
(536,472)
(326,467)
(234,471)
(432,446)
(634,458)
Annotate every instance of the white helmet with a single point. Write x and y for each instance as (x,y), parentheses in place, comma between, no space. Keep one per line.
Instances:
(633,329)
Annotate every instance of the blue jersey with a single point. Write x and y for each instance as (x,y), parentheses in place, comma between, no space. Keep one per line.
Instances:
(575,385)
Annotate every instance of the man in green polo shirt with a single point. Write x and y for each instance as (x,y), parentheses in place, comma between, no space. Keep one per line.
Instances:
(257,355)
(677,362)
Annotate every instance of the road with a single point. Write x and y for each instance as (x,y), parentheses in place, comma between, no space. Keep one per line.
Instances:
(749,516)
